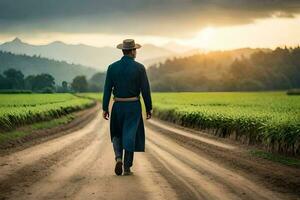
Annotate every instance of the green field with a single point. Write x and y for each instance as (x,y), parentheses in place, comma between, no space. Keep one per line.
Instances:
(96,96)
(30,129)
(20,109)
(268,118)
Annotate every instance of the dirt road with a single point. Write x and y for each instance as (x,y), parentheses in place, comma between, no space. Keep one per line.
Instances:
(80,165)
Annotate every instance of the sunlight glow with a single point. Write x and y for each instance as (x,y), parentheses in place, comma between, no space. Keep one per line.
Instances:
(264,33)
(205,36)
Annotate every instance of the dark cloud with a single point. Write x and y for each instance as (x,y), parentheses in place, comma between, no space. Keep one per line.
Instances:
(157,17)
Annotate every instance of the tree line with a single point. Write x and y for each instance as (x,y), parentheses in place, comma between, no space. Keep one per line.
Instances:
(60,70)
(277,69)
(237,70)
(13,80)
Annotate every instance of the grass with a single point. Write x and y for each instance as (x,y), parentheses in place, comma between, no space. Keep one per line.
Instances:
(27,130)
(13,135)
(96,96)
(289,161)
(52,123)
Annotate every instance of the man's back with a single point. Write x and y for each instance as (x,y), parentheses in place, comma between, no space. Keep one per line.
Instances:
(127,78)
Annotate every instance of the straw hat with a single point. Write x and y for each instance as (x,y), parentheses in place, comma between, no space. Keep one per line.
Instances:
(128,44)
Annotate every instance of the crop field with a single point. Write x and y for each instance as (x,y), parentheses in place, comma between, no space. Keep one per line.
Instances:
(91,95)
(21,109)
(270,118)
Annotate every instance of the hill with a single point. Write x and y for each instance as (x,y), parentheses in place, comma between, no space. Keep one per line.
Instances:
(32,65)
(238,70)
(95,57)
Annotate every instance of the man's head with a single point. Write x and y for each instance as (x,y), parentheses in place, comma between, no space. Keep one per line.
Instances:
(129,47)
(129,52)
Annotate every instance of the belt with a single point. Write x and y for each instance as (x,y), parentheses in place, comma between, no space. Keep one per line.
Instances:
(126,98)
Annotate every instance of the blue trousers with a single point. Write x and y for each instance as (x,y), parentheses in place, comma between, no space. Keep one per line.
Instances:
(118,149)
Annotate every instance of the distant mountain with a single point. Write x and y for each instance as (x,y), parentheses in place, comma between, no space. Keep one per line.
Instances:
(96,57)
(232,54)
(32,65)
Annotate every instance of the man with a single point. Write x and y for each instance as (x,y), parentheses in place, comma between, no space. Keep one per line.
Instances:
(126,78)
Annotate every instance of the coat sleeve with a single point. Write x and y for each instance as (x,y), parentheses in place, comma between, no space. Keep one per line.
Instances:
(107,90)
(145,89)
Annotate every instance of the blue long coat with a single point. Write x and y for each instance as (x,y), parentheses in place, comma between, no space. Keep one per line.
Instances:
(127,78)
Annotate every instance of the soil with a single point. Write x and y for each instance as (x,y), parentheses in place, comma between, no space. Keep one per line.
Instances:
(177,164)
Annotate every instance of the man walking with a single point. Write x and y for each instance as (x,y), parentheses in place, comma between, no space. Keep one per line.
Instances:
(126,78)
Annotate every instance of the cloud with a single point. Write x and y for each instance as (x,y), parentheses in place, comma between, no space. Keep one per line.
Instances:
(151,17)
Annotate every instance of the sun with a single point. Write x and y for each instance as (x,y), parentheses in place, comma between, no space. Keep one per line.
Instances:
(207,32)
(205,36)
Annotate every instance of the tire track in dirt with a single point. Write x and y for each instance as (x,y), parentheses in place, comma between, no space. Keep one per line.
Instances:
(81,168)
(22,158)
(273,176)
(64,178)
(205,179)
(33,163)
(80,165)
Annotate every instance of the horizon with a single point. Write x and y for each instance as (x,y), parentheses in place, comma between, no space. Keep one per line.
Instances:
(189,48)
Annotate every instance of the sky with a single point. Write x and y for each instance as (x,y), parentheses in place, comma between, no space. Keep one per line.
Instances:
(205,24)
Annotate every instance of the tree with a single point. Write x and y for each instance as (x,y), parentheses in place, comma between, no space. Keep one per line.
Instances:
(14,79)
(29,82)
(79,84)
(64,85)
(96,83)
(43,82)
(3,83)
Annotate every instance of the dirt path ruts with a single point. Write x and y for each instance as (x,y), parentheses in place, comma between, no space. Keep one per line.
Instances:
(80,165)
(274,176)
(206,180)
